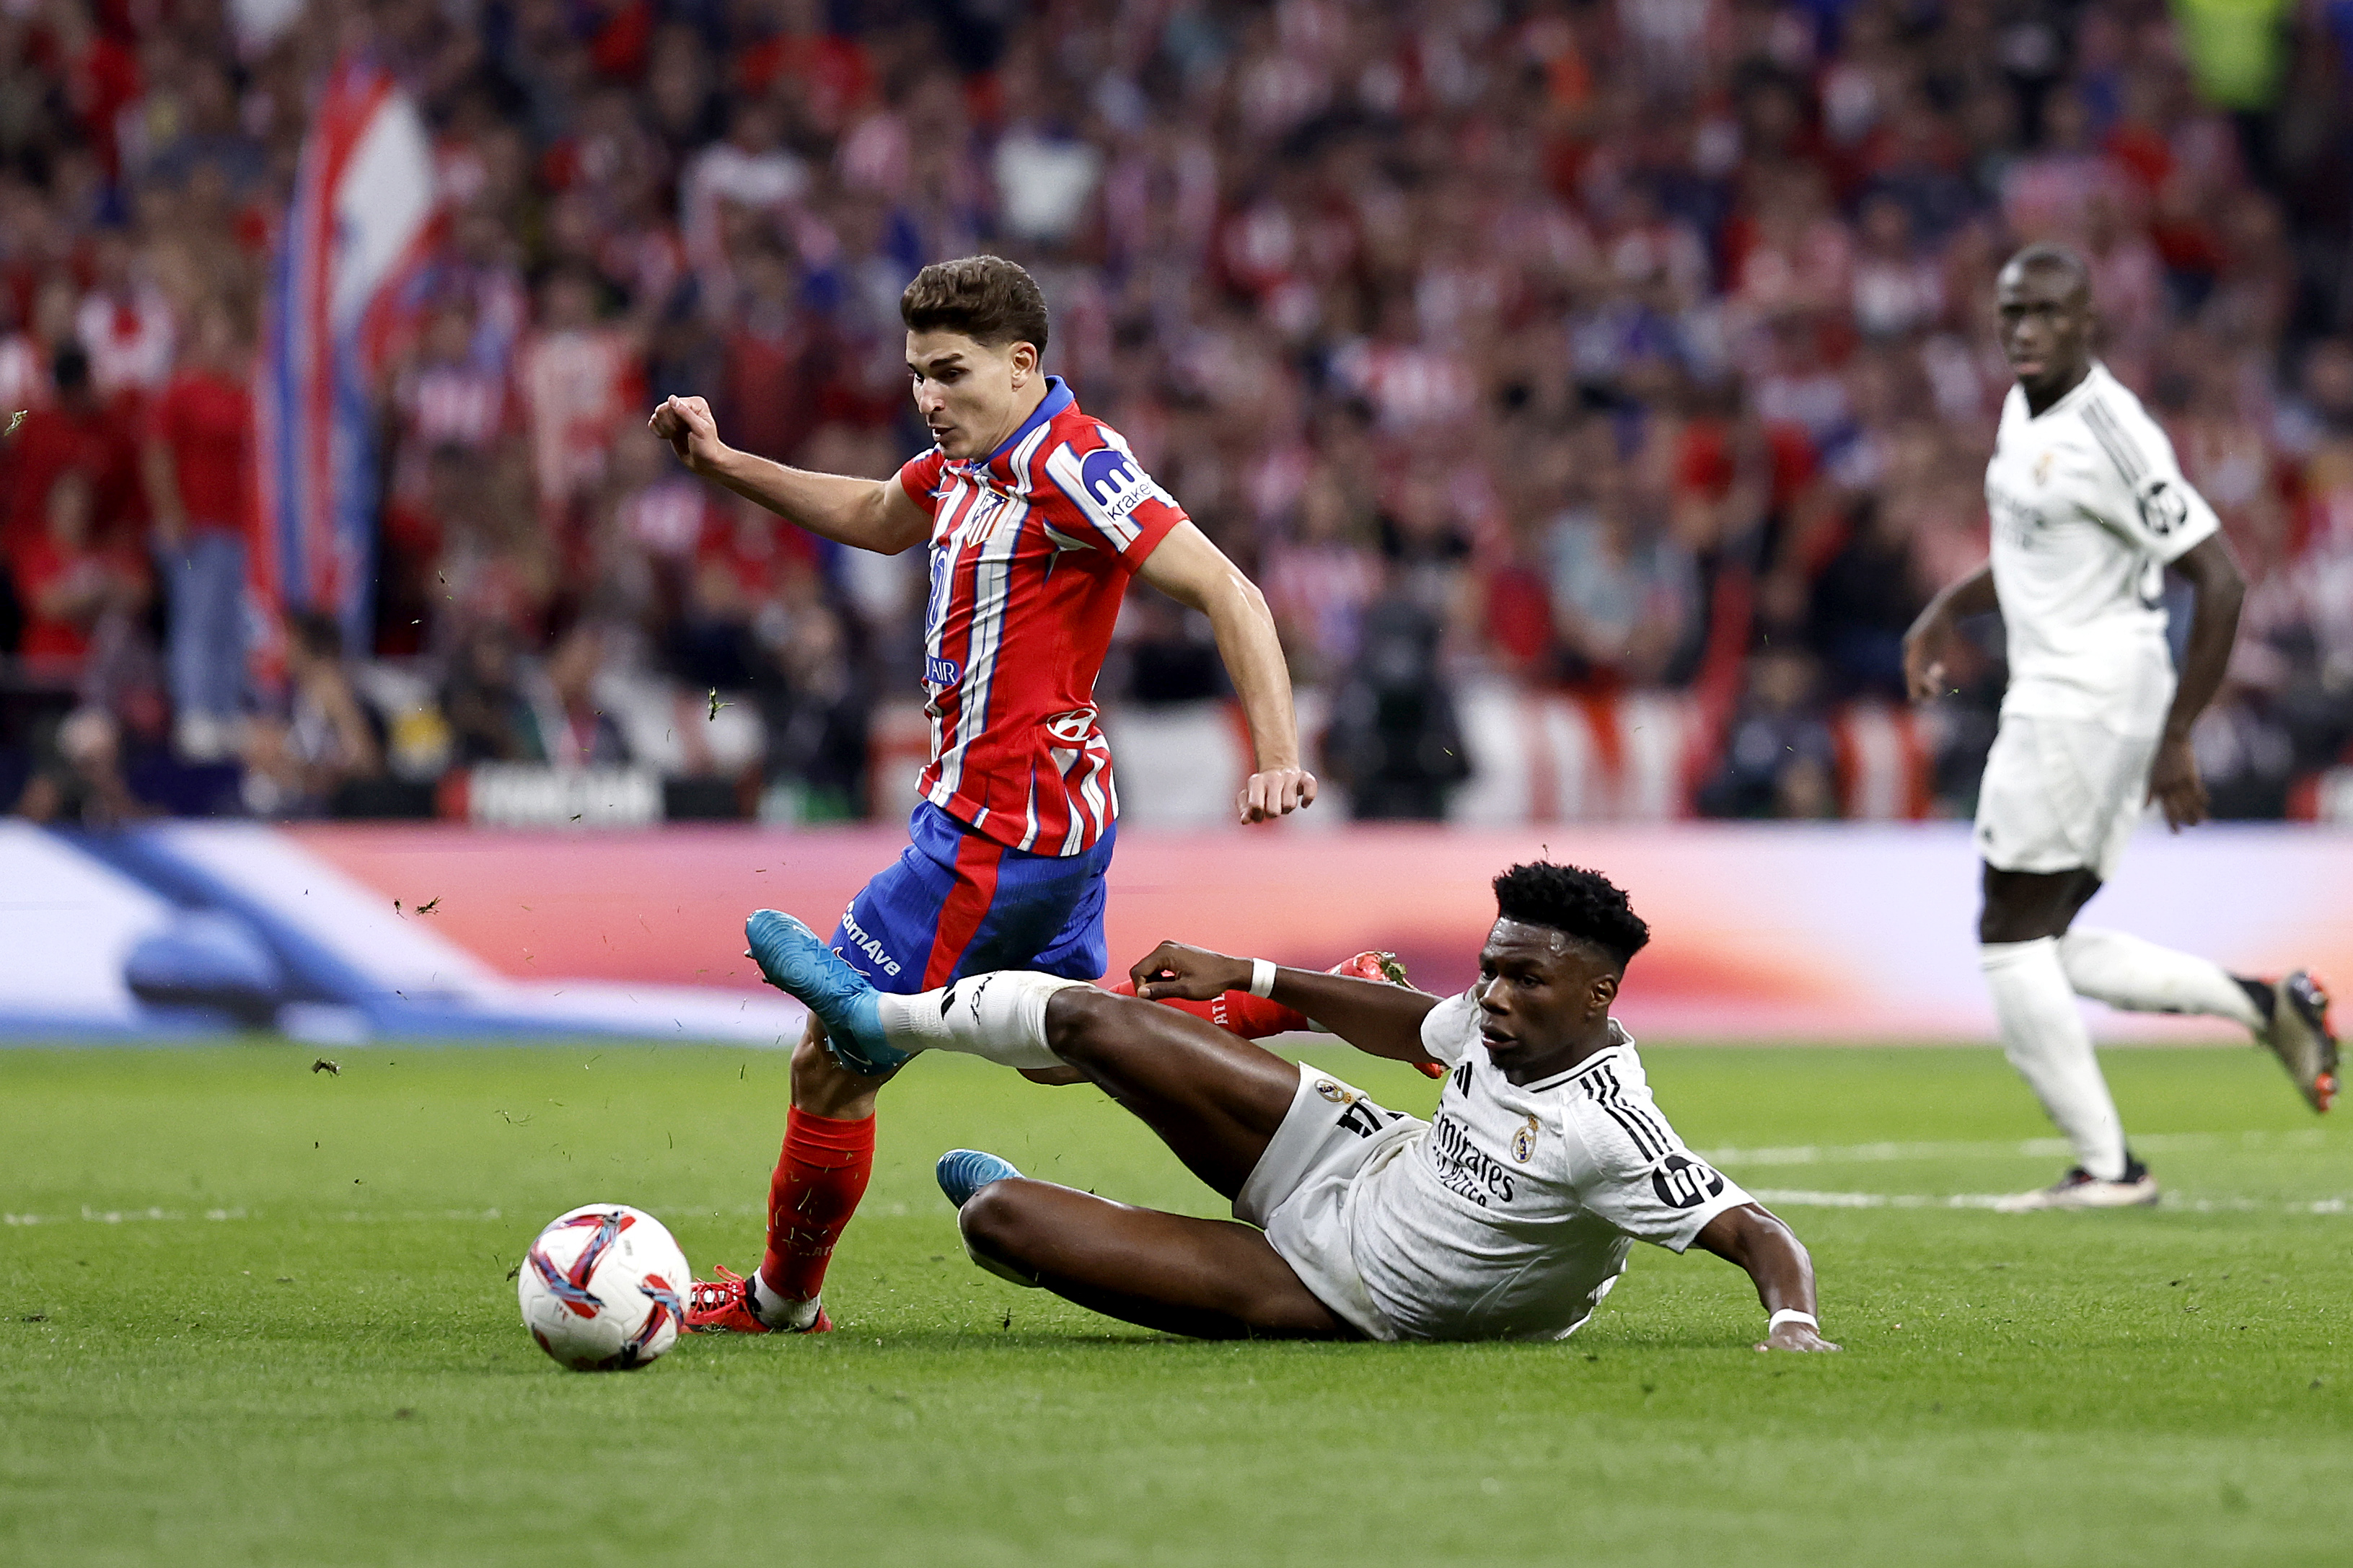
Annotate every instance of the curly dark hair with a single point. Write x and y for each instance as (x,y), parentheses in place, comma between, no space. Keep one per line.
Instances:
(989,300)
(1580,903)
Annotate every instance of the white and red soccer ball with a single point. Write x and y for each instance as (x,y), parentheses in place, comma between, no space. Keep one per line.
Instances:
(604,1288)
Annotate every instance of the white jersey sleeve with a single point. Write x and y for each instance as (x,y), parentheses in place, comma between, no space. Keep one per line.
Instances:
(2148,502)
(1627,1165)
(1449,1030)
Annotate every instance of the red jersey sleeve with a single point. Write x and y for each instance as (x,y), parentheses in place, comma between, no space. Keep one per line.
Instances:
(1114,500)
(919,477)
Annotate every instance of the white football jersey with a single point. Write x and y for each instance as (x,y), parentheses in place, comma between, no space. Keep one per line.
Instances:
(1511,1216)
(2088,508)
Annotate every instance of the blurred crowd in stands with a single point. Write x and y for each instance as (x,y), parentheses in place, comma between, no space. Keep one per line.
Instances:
(1597,347)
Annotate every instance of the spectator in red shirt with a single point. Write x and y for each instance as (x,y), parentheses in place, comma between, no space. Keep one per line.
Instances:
(95,75)
(197,460)
(74,432)
(66,585)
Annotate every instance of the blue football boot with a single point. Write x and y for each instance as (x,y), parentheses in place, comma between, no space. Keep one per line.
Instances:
(794,959)
(963,1172)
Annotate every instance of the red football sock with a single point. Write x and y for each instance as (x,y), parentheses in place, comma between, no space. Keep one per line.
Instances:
(816,1189)
(1236,1012)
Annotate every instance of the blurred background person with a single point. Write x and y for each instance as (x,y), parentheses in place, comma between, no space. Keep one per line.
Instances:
(1622,343)
(77,779)
(303,762)
(197,466)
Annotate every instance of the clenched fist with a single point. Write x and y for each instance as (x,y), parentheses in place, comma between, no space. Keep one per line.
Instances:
(1277,792)
(686,425)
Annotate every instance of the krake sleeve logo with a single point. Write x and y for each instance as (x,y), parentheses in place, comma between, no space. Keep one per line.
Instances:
(1114,482)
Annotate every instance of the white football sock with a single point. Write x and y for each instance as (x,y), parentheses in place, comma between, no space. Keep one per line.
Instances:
(2045,1040)
(779,1310)
(2142,977)
(1000,1015)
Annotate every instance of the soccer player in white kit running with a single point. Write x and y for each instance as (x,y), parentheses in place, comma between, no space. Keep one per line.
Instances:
(1506,1215)
(2088,510)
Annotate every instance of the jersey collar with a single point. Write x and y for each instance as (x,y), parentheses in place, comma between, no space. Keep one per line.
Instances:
(1619,1041)
(2096,372)
(1057,397)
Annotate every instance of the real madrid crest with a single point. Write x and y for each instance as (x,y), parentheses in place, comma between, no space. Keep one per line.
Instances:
(2042,469)
(1523,1142)
(1330,1091)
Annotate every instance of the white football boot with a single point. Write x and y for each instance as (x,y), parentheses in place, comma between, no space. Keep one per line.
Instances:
(2079,1189)
(2298,1035)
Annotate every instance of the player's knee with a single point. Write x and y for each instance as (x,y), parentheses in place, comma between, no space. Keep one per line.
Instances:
(2006,922)
(995,1221)
(1080,1018)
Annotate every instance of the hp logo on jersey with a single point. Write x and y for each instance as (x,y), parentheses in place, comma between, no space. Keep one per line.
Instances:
(1684,1183)
(1112,481)
(2162,508)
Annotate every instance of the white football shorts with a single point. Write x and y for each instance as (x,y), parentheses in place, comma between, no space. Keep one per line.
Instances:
(1332,1136)
(2060,793)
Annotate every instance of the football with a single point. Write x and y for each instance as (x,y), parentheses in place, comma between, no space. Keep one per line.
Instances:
(603,1288)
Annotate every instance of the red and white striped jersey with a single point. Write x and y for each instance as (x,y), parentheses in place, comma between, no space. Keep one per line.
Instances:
(1031,551)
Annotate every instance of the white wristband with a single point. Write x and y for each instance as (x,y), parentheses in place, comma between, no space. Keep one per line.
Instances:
(1791,1315)
(1261,977)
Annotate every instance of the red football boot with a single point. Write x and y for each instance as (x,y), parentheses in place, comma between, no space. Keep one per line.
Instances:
(1256,1017)
(1383,966)
(723,1306)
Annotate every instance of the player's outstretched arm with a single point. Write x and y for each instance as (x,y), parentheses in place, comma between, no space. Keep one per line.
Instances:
(1189,569)
(1754,1239)
(2221,587)
(1924,643)
(1376,1018)
(869,514)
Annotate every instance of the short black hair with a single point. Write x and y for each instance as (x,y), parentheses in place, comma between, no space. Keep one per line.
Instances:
(989,300)
(1574,901)
(2050,254)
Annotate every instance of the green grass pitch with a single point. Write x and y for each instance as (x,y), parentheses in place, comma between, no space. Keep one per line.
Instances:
(251,1313)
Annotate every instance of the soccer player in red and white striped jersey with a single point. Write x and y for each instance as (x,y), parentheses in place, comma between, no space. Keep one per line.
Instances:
(1036,516)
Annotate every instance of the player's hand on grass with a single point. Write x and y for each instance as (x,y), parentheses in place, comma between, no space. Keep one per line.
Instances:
(686,423)
(2174,784)
(1186,974)
(1796,1337)
(1276,792)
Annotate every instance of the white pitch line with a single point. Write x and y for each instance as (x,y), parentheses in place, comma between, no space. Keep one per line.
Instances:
(1804,1197)
(1800,1197)
(2030,1148)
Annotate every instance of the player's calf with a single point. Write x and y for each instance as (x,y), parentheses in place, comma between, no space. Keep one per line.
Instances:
(1208,1279)
(823,1086)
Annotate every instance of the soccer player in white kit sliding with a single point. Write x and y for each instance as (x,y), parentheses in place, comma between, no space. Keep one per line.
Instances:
(1508,1215)
(2088,510)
